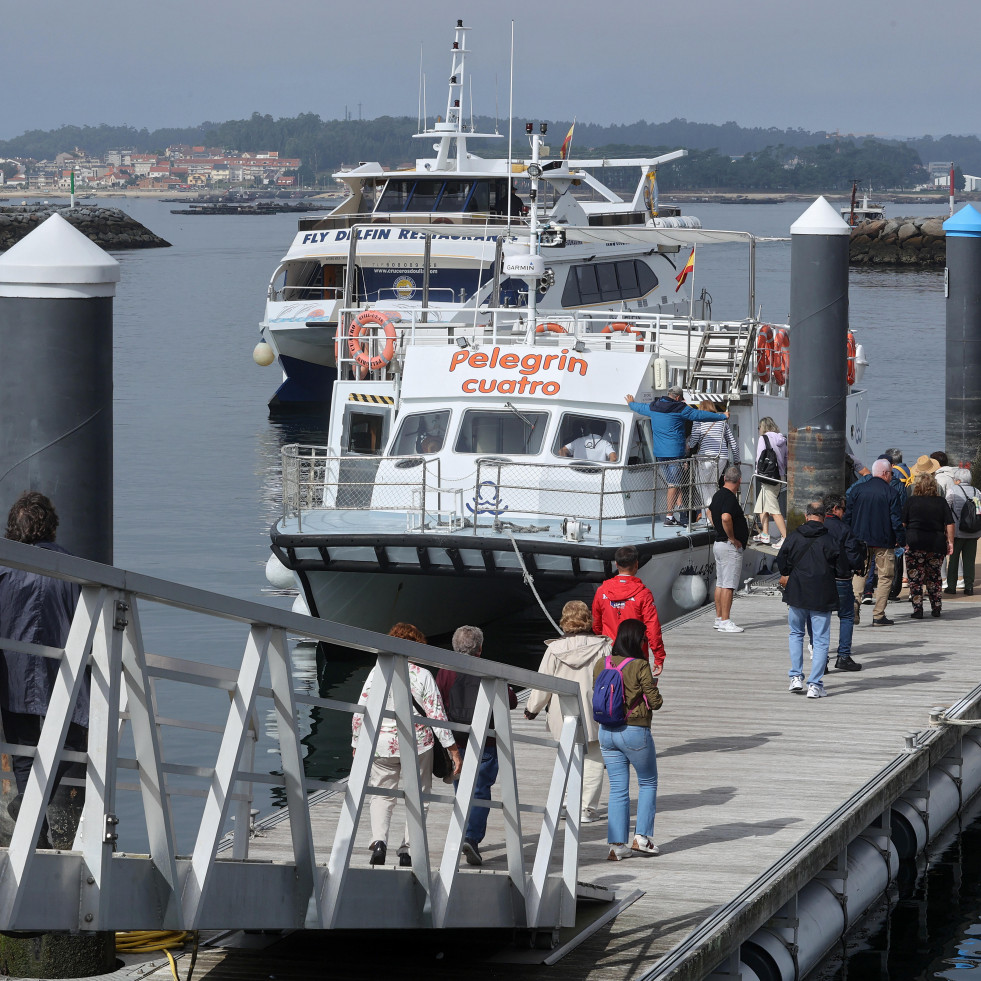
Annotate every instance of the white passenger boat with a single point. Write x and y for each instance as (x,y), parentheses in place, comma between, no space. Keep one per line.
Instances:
(479,448)
(439,235)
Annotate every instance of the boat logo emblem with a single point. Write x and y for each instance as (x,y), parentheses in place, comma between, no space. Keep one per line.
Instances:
(492,505)
(405,287)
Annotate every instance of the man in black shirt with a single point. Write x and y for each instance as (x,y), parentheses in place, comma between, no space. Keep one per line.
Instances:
(731,535)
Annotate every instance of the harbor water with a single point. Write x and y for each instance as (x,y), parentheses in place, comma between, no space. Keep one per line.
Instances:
(197,467)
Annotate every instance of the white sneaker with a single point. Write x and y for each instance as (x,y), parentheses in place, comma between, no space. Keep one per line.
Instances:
(728,627)
(619,852)
(761,539)
(588,817)
(816,691)
(718,623)
(645,846)
(796,685)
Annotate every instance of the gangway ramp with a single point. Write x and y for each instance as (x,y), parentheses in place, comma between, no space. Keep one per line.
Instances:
(159,774)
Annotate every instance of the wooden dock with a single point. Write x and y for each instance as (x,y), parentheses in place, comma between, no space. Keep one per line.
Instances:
(746,771)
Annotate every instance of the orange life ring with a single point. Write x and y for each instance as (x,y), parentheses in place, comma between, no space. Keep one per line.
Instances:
(551,328)
(764,352)
(619,326)
(781,357)
(359,327)
(850,363)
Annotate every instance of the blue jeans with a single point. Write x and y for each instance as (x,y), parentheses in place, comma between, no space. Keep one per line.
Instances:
(846,616)
(623,748)
(486,777)
(820,624)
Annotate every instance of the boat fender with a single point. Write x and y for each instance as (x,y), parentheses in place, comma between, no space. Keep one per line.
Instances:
(764,352)
(359,327)
(277,575)
(851,371)
(689,591)
(300,606)
(551,329)
(781,357)
(660,374)
(861,362)
(263,354)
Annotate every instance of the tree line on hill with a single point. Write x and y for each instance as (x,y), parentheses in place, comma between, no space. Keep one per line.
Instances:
(724,156)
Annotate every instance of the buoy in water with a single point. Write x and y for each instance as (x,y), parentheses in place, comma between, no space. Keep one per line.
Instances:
(263,354)
(689,591)
(277,575)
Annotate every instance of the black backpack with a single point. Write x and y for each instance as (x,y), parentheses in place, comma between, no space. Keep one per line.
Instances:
(767,466)
(970,522)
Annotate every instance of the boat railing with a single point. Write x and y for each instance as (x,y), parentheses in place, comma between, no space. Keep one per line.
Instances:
(321,223)
(581,491)
(317,478)
(292,294)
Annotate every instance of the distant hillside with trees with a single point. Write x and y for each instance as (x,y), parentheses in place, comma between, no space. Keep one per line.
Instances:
(725,156)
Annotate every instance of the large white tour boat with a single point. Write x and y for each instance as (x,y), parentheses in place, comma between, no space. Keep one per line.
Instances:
(481,445)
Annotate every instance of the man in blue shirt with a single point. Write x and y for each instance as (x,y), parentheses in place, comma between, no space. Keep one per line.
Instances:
(668,415)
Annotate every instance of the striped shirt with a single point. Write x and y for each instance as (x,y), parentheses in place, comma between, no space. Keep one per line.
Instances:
(710,437)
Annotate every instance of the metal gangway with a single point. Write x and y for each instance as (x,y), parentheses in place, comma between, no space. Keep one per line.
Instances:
(126,869)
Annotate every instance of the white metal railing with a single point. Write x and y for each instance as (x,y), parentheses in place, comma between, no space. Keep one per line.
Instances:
(105,883)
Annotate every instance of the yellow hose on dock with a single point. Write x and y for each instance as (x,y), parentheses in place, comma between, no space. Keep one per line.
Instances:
(148,941)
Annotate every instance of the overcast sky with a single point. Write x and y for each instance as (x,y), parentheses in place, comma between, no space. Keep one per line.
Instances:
(890,67)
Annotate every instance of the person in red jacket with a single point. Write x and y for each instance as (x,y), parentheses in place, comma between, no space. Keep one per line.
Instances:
(625,597)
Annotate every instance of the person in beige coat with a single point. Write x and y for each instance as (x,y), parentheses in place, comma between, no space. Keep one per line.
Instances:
(573,656)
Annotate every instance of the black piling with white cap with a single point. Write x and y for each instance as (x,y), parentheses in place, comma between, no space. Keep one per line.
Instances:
(817,384)
(56,293)
(962,288)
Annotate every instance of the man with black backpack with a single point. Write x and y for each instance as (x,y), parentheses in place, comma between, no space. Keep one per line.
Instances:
(965,503)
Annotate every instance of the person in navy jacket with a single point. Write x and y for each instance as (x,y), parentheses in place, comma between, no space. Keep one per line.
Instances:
(668,415)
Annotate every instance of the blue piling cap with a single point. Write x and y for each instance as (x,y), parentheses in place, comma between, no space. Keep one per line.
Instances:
(966,223)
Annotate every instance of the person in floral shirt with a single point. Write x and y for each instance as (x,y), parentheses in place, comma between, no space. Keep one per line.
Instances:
(386,768)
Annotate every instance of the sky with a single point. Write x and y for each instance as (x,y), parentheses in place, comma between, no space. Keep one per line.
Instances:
(890,67)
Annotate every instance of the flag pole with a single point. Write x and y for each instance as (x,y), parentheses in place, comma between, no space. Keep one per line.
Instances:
(691,300)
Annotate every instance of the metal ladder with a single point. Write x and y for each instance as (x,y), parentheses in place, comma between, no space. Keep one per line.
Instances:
(722,358)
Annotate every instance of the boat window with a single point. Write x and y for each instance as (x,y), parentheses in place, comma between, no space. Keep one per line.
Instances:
(592,438)
(303,281)
(424,196)
(640,444)
(396,195)
(365,429)
(421,432)
(480,199)
(608,282)
(455,195)
(488,431)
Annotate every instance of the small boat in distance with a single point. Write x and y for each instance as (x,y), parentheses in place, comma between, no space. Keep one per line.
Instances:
(854,214)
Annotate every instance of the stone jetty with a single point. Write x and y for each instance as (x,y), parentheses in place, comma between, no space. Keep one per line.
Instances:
(109,228)
(915,242)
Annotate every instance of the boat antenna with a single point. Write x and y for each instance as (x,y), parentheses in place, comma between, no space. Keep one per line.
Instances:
(419,110)
(473,129)
(497,114)
(510,128)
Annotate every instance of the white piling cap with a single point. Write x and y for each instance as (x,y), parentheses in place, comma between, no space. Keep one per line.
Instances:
(820,219)
(56,260)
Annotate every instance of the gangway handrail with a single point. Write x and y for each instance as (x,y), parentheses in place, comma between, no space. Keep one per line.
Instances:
(92,887)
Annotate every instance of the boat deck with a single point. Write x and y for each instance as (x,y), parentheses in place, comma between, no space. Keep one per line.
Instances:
(747,770)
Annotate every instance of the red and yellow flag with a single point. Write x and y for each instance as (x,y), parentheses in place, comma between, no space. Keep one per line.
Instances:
(683,275)
(567,142)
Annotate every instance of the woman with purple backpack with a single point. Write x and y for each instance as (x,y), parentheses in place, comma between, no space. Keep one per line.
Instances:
(624,697)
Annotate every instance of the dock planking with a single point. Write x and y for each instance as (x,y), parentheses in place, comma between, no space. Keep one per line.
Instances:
(746,771)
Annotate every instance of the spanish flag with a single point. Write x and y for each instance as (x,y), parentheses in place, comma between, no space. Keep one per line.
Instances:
(689,268)
(567,142)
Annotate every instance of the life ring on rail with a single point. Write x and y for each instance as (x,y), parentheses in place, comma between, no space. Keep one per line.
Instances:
(850,363)
(619,326)
(764,352)
(780,359)
(359,327)
(551,328)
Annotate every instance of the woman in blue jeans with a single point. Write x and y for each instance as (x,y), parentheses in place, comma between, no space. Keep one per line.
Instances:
(631,745)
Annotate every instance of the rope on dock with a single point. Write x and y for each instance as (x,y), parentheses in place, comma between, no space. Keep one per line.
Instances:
(148,941)
(530,580)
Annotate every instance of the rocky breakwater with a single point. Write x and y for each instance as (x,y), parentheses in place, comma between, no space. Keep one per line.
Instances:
(109,228)
(916,242)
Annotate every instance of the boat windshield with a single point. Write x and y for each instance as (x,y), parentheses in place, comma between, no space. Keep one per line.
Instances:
(428,194)
(588,438)
(421,432)
(512,432)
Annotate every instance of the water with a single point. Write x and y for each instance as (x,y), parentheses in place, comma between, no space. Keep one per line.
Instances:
(197,459)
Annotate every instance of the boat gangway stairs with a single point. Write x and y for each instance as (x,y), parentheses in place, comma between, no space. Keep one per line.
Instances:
(171,761)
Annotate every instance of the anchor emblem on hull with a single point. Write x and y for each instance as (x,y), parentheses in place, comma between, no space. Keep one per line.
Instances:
(489,505)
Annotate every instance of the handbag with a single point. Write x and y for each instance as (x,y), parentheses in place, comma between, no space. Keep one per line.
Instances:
(442,763)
